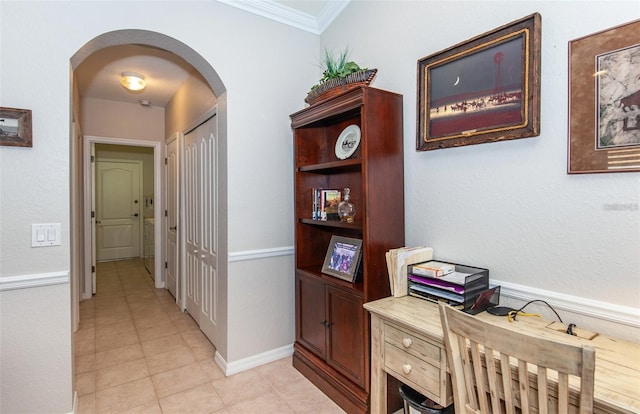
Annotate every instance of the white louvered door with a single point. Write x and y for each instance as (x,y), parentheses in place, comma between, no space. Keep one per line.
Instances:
(201,197)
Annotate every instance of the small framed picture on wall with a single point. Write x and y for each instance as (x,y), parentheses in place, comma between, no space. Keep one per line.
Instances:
(15,127)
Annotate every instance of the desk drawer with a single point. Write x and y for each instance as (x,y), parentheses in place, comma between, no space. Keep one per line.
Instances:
(414,345)
(417,361)
(412,370)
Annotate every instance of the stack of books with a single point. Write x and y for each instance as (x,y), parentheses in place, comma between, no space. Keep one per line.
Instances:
(325,203)
(458,285)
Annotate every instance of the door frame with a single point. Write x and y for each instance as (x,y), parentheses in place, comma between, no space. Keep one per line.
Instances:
(178,137)
(89,228)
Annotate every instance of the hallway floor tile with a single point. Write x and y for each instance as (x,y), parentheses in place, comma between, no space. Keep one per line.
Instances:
(136,352)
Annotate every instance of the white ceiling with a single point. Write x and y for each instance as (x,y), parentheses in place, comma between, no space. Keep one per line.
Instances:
(99,75)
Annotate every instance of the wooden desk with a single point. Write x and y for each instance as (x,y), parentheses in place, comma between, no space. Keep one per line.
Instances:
(407,343)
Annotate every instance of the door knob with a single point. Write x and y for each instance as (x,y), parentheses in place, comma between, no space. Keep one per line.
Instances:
(135,215)
(174,228)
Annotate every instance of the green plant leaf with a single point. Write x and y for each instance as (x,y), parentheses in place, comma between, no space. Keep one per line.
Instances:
(336,67)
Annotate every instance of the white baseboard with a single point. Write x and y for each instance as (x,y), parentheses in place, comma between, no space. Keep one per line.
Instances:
(589,308)
(75,403)
(253,361)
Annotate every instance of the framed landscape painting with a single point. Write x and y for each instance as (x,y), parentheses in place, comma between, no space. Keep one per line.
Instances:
(483,90)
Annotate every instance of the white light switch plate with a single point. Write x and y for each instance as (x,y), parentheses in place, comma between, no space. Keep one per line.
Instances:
(47,234)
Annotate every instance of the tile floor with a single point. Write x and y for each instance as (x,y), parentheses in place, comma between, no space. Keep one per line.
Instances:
(135,352)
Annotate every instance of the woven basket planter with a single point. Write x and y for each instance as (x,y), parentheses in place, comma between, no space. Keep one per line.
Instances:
(335,87)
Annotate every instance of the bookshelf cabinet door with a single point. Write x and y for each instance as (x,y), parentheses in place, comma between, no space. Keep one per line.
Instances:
(311,322)
(347,335)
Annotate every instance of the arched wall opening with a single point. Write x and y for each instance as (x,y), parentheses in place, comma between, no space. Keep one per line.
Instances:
(78,221)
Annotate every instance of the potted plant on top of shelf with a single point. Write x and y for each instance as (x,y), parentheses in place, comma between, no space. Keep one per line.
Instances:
(339,75)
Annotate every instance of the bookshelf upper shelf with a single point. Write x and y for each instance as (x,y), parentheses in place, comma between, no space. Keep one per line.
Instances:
(342,165)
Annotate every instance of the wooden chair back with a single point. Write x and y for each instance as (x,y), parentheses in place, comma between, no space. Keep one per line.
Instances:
(497,370)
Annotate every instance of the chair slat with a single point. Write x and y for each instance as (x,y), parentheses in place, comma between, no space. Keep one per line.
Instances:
(543,401)
(563,393)
(467,369)
(478,370)
(509,398)
(523,380)
(494,383)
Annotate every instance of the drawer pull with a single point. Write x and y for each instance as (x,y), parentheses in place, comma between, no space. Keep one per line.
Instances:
(406,368)
(407,342)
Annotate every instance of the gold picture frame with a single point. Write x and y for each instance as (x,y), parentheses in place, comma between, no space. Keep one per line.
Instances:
(15,127)
(485,89)
(604,101)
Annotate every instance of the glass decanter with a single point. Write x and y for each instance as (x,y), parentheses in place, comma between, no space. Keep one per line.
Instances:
(346,209)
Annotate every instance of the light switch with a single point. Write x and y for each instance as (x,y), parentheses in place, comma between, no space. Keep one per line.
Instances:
(47,234)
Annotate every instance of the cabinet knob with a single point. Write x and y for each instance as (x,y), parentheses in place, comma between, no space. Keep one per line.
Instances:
(407,342)
(406,368)
(325,323)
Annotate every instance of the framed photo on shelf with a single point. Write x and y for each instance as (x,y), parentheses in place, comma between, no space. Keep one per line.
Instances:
(343,258)
(485,89)
(604,101)
(15,127)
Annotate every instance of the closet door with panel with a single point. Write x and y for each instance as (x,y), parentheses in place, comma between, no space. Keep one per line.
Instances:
(200,209)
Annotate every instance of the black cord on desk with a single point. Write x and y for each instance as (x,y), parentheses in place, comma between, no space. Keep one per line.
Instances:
(537,300)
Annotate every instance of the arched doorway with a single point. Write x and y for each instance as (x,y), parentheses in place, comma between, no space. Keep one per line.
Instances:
(79,223)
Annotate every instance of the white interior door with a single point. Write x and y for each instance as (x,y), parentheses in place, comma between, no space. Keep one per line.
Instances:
(118,218)
(201,195)
(171,169)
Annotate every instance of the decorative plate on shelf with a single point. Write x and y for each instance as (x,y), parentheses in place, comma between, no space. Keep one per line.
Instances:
(348,142)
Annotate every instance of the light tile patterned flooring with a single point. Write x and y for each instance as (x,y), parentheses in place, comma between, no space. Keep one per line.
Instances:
(136,352)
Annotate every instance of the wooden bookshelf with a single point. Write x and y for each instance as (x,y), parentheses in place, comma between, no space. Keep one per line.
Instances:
(332,345)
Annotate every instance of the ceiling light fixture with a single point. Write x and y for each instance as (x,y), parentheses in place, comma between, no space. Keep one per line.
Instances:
(133,81)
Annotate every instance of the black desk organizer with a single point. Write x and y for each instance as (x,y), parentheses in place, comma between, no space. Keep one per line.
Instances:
(460,295)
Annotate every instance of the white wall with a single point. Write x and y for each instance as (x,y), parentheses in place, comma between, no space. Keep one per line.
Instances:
(510,206)
(35,344)
(191,101)
(104,118)
(266,68)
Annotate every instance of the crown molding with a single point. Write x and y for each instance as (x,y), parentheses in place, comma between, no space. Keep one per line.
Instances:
(330,12)
(290,16)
